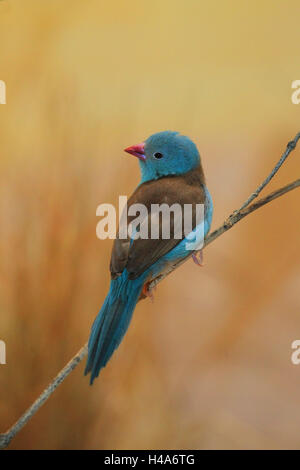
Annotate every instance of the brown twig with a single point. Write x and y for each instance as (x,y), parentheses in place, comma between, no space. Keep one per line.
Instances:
(61,376)
(235,217)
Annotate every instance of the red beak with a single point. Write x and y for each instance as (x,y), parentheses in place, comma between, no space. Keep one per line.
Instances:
(137,150)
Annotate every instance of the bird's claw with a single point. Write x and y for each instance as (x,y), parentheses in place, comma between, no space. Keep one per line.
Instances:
(147,292)
(198,258)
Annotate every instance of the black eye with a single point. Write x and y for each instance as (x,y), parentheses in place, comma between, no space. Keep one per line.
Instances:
(157,155)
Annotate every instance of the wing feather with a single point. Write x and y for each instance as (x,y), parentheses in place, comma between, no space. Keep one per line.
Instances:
(139,254)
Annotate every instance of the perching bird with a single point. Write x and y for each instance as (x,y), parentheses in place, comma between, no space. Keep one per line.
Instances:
(171,172)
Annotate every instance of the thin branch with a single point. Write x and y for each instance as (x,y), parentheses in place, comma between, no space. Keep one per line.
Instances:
(289,148)
(235,217)
(30,412)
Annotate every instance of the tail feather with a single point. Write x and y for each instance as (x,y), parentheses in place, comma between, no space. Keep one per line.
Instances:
(111,323)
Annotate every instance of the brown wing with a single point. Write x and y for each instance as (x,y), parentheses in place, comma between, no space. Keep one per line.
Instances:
(140,254)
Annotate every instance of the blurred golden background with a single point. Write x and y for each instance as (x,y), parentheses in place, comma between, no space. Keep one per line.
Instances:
(208,365)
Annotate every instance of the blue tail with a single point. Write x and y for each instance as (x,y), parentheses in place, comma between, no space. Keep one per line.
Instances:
(112,322)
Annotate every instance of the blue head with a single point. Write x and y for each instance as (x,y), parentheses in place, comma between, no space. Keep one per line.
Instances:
(165,153)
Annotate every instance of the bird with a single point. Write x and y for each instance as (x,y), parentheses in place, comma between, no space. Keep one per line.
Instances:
(171,173)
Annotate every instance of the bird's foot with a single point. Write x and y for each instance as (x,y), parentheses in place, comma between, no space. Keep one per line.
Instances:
(147,292)
(198,258)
